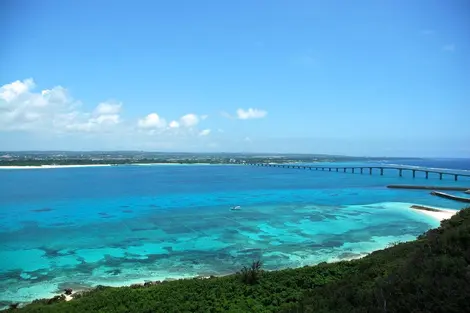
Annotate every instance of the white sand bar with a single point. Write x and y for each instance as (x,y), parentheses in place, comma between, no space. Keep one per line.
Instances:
(443,214)
(50,166)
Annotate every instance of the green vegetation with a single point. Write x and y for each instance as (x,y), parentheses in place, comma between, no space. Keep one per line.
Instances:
(132,157)
(430,274)
(251,275)
(33,162)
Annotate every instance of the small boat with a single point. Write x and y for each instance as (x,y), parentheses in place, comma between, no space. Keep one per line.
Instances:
(235,208)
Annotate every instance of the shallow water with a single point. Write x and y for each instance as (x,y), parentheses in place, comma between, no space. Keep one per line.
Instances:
(81,227)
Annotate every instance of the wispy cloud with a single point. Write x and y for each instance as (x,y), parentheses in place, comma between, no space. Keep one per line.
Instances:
(242,114)
(449,47)
(204,132)
(250,113)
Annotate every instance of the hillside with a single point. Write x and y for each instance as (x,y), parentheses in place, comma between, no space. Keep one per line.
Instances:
(430,274)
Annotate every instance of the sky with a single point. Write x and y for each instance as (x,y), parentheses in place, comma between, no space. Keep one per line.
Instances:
(364,78)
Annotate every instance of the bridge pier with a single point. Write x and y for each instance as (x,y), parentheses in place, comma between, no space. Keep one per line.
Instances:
(361,169)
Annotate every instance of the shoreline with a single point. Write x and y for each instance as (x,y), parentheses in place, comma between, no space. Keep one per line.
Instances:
(438,215)
(156,280)
(27,167)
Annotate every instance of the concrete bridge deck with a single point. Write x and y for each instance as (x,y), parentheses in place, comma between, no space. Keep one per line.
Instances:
(362,169)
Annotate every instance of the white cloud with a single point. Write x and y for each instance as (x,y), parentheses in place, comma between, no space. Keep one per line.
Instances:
(189,120)
(250,114)
(23,109)
(153,120)
(104,117)
(54,115)
(205,116)
(51,110)
(174,124)
(10,92)
(106,108)
(204,132)
(449,48)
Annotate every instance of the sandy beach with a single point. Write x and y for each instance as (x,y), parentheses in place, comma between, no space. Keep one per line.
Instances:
(50,166)
(443,214)
(104,165)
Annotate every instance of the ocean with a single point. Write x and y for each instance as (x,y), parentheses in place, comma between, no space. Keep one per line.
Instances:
(82,227)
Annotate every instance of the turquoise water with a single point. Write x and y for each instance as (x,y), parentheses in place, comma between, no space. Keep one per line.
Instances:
(80,227)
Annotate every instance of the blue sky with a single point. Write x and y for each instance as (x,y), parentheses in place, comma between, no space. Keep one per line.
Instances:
(379,78)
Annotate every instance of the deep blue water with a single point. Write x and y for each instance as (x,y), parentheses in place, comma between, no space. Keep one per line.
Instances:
(81,227)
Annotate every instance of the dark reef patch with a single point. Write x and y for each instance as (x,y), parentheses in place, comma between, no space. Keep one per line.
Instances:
(42,210)
(169,249)
(114,272)
(62,224)
(50,252)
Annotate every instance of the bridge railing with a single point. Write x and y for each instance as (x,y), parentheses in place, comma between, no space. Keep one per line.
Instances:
(362,169)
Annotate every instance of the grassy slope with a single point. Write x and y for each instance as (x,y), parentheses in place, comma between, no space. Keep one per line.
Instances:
(430,274)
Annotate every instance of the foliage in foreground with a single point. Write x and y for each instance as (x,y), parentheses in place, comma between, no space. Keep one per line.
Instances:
(430,274)
(251,275)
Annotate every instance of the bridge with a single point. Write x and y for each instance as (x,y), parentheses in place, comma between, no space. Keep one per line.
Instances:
(365,169)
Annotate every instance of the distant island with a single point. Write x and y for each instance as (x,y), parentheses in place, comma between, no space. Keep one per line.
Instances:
(57,158)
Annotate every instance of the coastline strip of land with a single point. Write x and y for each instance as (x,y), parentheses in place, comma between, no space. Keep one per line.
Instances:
(25,167)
